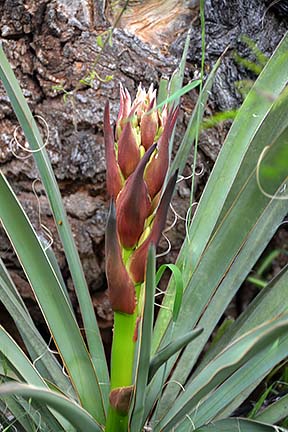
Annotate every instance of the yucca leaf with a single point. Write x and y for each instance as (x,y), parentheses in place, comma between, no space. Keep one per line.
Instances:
(78,417)
(176,81)
(9,284)
(265,226)
(19,416)
(54,263)
(162,90)
(224,365)
(177,275)
(34,139)
(175,95)
(238,227)
(144,344)
(30,413)
(188,139)
(45,361)
(242,225)
(230,394)
(53,301)
(219,291)
(237,425)
(32,416)
(273,124)
(171,91)
(271,301)
(275,412)
(253,112)
(164,354)
(18,359)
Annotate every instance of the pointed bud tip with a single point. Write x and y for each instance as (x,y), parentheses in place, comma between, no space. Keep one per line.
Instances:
(113,177)
(133,205)
(139,258)
(120,286)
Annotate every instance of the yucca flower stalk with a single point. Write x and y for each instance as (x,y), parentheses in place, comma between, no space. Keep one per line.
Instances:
(137,158)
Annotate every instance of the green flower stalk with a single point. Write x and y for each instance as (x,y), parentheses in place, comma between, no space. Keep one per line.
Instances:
(137,158)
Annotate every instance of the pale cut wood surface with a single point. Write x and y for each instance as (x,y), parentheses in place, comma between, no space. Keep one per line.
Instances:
(158,22)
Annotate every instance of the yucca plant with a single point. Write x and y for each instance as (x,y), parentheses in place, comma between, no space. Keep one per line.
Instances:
(161,377)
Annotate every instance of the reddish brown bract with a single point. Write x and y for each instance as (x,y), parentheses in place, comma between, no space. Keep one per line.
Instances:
(133,205)
(113,179)
(137,264)
(120,286)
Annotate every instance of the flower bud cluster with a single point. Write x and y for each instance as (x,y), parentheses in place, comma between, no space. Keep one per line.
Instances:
(137,158)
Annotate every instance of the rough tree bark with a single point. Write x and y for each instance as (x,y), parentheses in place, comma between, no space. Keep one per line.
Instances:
(53,43)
